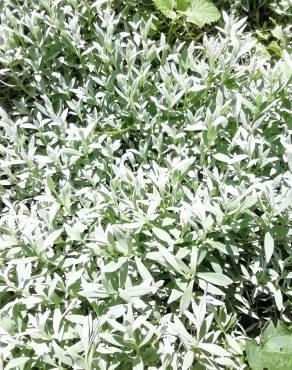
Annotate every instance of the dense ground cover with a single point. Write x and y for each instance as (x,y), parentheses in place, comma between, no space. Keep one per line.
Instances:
(146,184)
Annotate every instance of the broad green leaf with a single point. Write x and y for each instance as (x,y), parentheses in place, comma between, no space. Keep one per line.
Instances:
(282,343)
(166,7)
(276,360)
(253,352)
(201,12)
(271,331)
(275,351)
(182,5)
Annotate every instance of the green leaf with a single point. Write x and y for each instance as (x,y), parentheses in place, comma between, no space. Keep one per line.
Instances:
(51,185)
(276,48)
(201,12)
(272,331)
(182,5)
(276,360)
(212,133)
(166,7)
(253,352)
(282,343)
(276,351)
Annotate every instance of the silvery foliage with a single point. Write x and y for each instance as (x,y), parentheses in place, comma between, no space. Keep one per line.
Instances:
(146,191)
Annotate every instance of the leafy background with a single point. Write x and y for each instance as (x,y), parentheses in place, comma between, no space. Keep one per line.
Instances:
(146,186)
